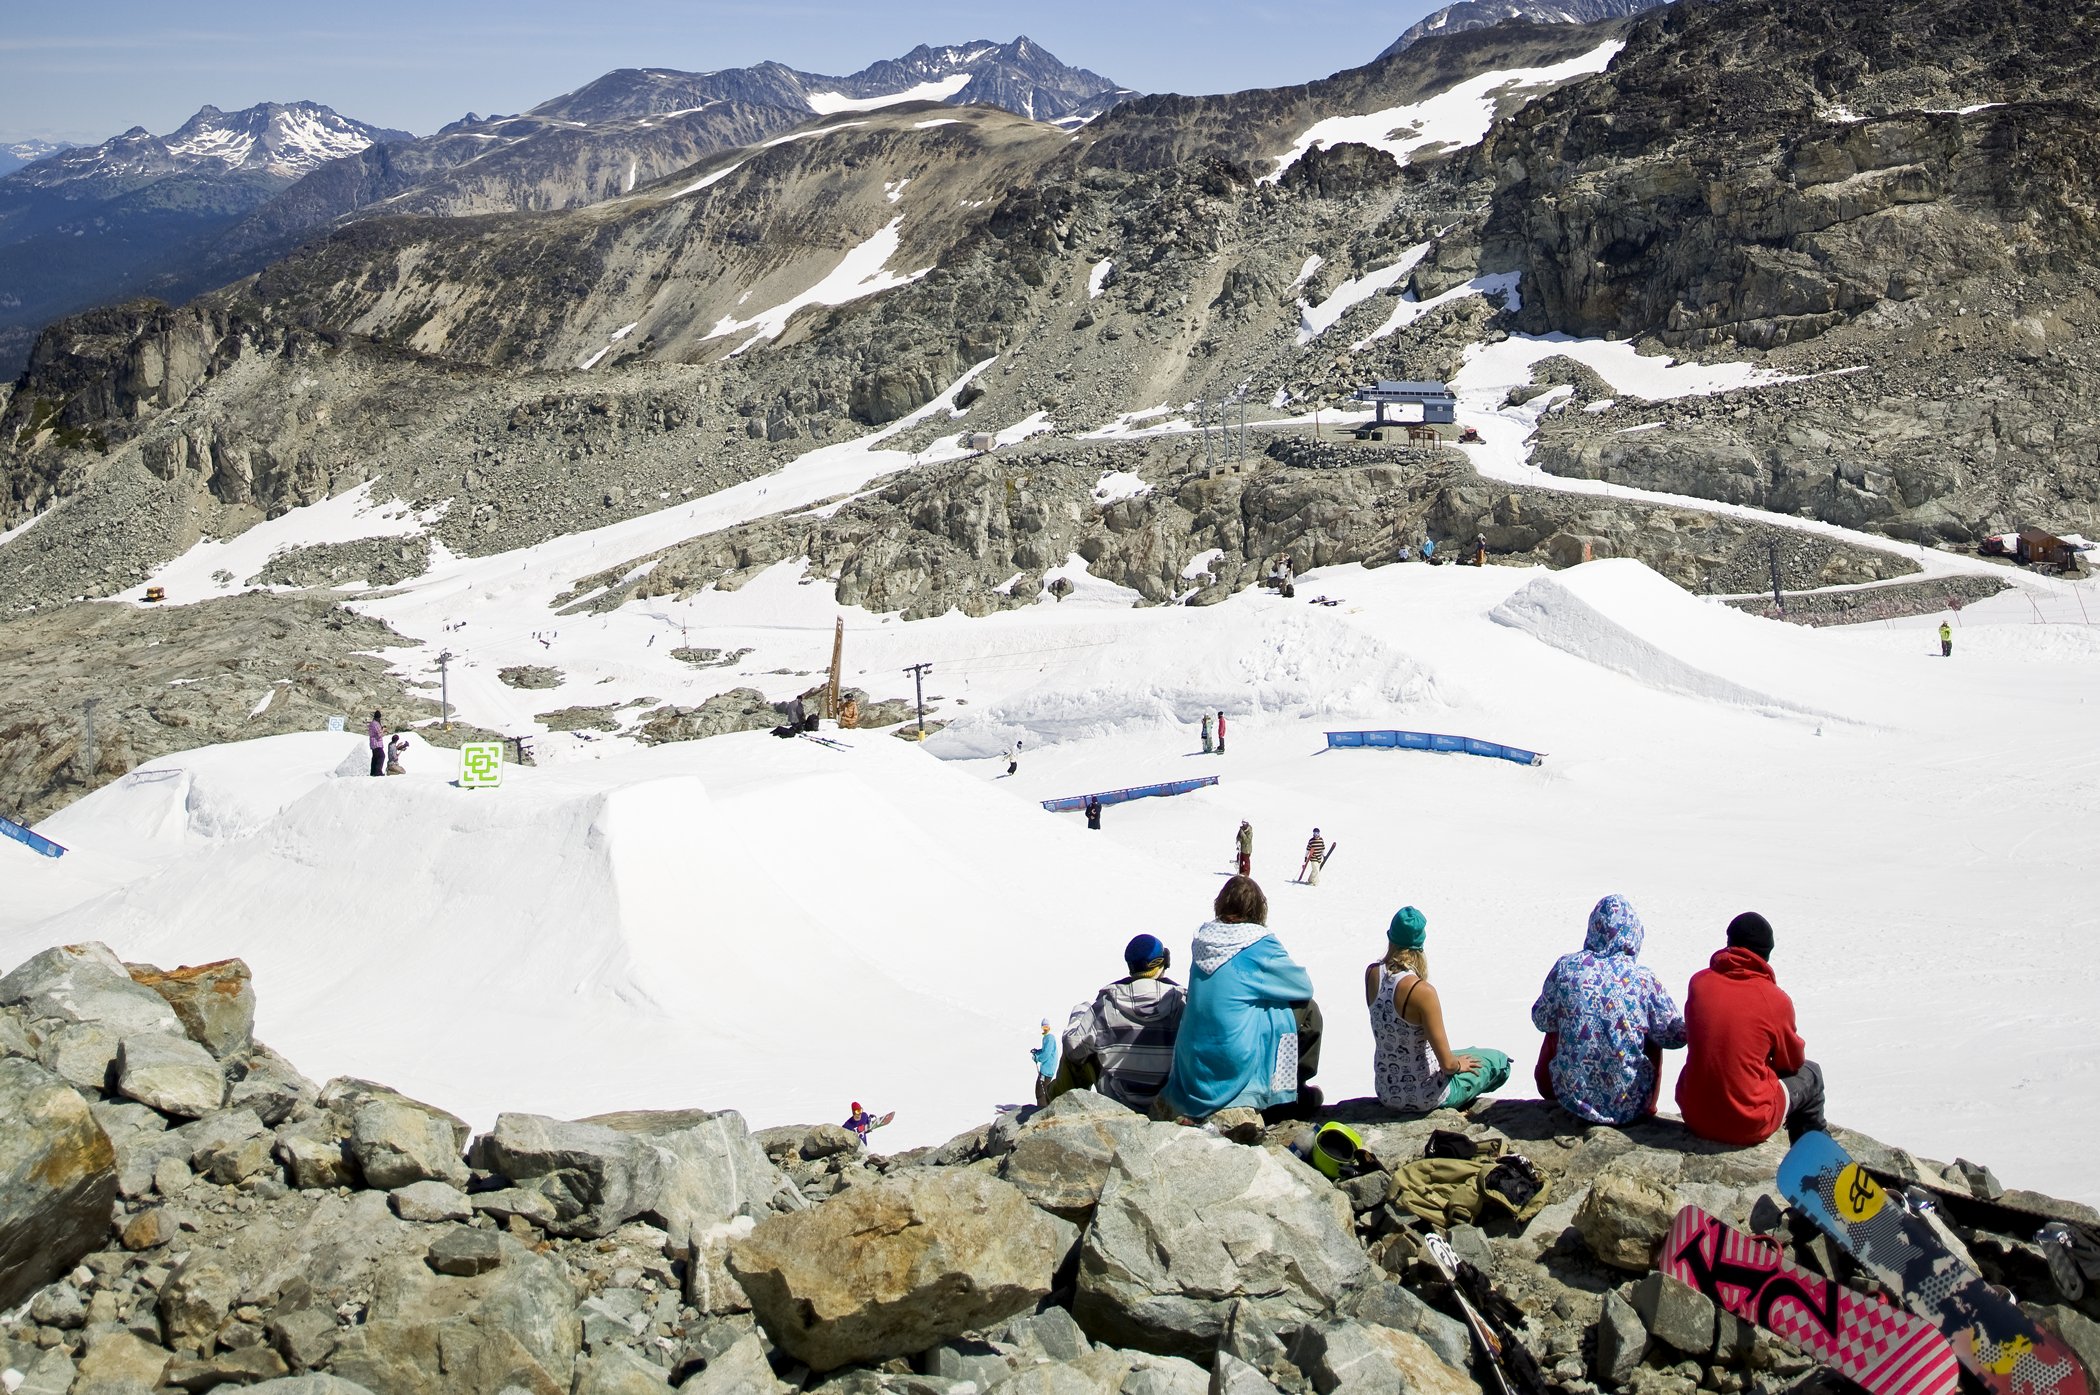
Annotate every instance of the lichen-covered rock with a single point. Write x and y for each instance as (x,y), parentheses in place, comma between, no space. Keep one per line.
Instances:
(215,1002)
(1188,1224)
(899,1265)
(58,1179)
(86,983)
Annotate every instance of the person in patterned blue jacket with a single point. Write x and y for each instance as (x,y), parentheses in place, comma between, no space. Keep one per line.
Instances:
(1607,1021)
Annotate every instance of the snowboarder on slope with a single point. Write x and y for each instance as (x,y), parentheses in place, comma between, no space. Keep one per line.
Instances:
(1206,733)
(375,737)
(1013,758)
(1045,1058)
(1244,842)
(860,1123)
(1221,733)
(1093,813)
(1315,854)
(1946,640)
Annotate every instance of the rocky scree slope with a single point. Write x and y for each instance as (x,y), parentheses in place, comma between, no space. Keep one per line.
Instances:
(1485,14)
(182,1209)
(1912,181)
(442,352)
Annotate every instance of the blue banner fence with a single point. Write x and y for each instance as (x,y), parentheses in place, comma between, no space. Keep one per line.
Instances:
(1430,741)
(36,842)
(1077,802)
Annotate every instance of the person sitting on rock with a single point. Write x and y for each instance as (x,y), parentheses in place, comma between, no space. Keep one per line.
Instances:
(1413,1066)
(1122,1046)
(1746,1069)
(1607,1021)
(1250,1032)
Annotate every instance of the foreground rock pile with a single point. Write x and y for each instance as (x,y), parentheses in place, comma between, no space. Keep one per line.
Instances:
(181,1209)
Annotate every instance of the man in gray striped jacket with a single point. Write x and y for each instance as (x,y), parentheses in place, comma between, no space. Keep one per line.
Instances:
(1123,1045)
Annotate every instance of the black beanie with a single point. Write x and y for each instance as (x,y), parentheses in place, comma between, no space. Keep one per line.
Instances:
(1753,932)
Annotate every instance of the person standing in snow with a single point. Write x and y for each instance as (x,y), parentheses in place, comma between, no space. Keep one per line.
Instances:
(1013,758)
(1746,1069)
(1244,843)
(1315,854)
(1250,1031)
(1045,1058)
(1413,1066)
(1093,813)
(1946,640)
(375,737)
(1607,1021)
(1480,550)
(1221,733)
(1206,733)
(1122,1046)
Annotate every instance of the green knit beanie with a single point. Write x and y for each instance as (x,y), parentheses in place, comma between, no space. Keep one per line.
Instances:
(1408,930)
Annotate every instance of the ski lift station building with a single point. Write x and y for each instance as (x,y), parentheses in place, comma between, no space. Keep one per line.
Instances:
(1437,403)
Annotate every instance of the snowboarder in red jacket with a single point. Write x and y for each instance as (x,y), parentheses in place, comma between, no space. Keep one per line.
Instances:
(1746,1069)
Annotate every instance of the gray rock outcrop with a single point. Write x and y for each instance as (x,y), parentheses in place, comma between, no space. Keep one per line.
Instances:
(58,1178)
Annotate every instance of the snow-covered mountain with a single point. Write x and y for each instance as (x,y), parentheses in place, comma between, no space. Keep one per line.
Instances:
(1480,14)
(1022,77)
(285,140)
(16,154)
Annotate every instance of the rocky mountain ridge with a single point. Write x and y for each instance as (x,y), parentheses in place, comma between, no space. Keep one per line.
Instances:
(1484,14)
(181,1209)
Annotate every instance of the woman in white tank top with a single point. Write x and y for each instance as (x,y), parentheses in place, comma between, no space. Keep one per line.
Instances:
(1414,1068)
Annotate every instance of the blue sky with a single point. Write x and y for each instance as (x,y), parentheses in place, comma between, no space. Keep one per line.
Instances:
(88,69)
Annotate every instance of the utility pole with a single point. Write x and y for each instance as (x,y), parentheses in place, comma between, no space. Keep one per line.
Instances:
(444,688)
(918,674)
(1778,601)
(89,755)
(838,659)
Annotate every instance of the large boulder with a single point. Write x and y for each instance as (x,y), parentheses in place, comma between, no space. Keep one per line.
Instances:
(214,1002)
(58,1179)
(687,1168)
(396,1140)
(1060,1156)
(171,1074)
(432,1334)
(1188,1224)
(86,983)
(899,1265)
(1351,1358)
(1625,1217)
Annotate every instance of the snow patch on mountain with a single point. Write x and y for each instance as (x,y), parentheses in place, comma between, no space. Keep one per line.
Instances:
(938,90)
(862,272)
(1450,120)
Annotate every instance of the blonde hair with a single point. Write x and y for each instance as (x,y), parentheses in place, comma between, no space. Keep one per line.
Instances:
(1412,961)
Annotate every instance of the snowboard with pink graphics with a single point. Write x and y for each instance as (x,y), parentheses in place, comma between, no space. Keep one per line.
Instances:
(1884,1350)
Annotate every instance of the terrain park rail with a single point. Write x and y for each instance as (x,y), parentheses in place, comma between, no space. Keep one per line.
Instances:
(35,842)
(1430,741)
(1107,797)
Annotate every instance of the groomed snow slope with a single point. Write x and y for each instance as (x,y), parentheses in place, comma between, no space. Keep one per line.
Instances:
(781,927)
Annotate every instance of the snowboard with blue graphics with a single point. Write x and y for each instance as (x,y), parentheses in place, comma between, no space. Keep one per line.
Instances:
(2000,1345)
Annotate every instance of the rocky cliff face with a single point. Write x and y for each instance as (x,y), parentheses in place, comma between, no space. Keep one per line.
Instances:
(1486,14)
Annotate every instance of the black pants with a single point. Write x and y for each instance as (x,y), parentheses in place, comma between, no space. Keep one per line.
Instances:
(1946,648)
(1310,1027)
(379,760)
(1804,1100)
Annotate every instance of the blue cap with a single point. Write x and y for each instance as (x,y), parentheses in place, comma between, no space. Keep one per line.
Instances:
(1143,952)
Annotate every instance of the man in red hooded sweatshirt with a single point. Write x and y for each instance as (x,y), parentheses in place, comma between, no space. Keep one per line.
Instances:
(1746,1069)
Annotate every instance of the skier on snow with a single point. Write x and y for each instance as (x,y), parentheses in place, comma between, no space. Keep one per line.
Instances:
(1315,854)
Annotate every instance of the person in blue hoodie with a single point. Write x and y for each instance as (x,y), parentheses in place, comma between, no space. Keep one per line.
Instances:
(1045,1057)
(1250,1031)
(1607,1021)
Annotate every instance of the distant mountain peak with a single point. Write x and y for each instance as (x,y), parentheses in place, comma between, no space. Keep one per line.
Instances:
(283,140)
(1482,14)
